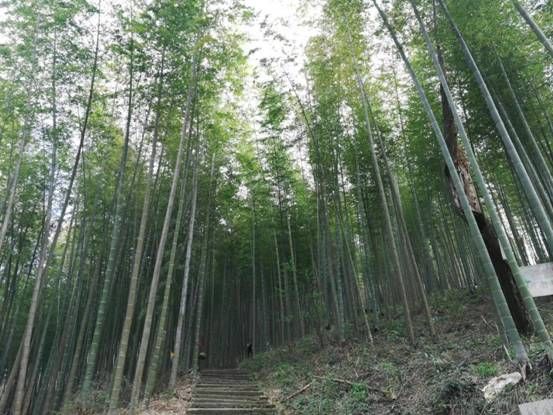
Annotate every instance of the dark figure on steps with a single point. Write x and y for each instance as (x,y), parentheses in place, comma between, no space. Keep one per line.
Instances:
(202,360)
(249,350)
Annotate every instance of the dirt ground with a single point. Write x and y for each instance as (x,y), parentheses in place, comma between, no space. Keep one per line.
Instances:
(165,403)
(171,404)
(441,375)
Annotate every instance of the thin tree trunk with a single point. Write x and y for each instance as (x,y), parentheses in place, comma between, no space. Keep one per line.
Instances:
(533,198)
(281,300)
(114,242)
(541,164)
(497,294)
(141,360)
(133,288)
(295,279)
(27,334)
(12,192)
(535,28)
(386,211)
(162,323)
(254,314)
(184,290)
(202,271)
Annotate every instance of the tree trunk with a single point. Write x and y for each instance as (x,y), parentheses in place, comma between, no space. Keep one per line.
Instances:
(161,325)
(386,212)
(203,270)
(141,361)
(502,269)
(133,287)
(535,28)
(184,289)
(489,271)
(115,237)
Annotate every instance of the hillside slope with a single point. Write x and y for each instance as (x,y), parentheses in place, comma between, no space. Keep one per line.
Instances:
(440,376)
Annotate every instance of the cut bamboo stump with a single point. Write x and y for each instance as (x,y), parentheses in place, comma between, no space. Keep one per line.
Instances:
(228,391)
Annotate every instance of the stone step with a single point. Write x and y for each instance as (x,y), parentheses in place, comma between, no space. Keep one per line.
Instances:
(246,386)
(224,382)
(221,380)
(246,399)
(214,379)
(239,411)
(230,405)
(217,379)
(229,398)
(225,374)
(229,370)
(227,393)
(202,403)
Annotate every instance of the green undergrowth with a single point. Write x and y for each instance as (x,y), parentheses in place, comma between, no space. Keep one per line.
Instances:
(444,375)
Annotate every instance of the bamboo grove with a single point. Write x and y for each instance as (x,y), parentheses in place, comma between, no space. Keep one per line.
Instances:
(155,217)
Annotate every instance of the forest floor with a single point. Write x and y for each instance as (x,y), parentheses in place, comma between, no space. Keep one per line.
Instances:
(165,403)
(441,376)
(173,403)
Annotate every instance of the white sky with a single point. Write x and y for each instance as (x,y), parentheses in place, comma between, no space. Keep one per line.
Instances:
(288,17)
(292,20)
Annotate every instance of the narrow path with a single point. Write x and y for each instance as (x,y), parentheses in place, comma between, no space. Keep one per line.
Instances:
(228,391)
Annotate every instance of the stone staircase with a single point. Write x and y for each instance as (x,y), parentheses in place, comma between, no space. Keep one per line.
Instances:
(228,391)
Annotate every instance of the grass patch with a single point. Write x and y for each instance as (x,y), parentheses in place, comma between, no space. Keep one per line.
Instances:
(486,369)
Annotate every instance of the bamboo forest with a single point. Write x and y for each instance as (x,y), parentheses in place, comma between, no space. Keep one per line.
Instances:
(276,207)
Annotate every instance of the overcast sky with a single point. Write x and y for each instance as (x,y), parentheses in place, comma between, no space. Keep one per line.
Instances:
(291,19)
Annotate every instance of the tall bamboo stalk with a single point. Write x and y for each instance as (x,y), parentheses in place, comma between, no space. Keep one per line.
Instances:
(497,294)
(534,26)
(491,208)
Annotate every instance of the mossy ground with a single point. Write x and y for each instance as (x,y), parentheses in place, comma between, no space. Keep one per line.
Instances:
(443,375)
